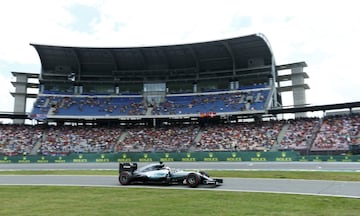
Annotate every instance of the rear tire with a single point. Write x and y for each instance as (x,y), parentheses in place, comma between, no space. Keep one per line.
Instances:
(193,180)
(124,178)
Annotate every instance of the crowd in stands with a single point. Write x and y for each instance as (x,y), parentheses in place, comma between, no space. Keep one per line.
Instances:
(244,136)
(299,133)
(86,105)
(18,139)
(67,105)
(168,139)
(315,134)
(337,133)
(70,139)
(223,102)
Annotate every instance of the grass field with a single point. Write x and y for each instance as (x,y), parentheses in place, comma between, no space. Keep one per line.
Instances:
(40,201)
(54,200)
(310,175)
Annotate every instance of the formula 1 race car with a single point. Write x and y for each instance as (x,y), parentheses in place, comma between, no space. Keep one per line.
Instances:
(160,174)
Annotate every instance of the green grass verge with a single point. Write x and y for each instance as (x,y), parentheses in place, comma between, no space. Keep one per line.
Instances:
(54,200)
(310,175)
(45,200)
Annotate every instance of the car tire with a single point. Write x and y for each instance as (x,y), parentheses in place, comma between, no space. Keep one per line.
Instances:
(124,178)
(193,180)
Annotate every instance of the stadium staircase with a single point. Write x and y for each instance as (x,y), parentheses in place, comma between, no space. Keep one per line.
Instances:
(123,136)
(198,137)
(149,110)
(47,101)
(315,132)
(280,137)
(35,149)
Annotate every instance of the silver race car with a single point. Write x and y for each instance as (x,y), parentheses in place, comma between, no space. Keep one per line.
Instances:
(160,174)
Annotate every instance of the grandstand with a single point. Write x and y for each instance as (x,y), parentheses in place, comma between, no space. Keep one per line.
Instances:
(213,96)
(229,78)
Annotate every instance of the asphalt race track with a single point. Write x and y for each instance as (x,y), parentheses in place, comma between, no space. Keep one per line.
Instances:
(298,166)
(287,186)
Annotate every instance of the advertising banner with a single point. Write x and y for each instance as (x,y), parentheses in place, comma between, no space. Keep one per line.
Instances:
(235,156)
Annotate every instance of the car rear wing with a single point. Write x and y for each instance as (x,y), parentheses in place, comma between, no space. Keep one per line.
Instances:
(129,167)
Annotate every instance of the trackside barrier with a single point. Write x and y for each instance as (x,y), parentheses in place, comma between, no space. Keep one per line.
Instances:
(284,156)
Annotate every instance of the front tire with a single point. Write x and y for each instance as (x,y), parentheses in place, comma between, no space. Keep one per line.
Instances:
(193,180)
(124,178)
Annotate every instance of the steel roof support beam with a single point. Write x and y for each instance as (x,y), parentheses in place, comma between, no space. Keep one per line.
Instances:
(142,54)
(196,60)
(116,66)
(74,52)
(231,53)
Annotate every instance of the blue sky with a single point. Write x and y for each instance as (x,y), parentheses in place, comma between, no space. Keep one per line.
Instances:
(323,33)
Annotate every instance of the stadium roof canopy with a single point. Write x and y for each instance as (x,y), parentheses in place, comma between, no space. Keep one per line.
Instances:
(228,58)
